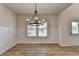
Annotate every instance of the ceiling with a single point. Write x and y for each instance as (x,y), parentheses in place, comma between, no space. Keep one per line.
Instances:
(43,8)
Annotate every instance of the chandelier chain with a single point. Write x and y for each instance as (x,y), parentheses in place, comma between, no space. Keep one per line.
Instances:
(35,7)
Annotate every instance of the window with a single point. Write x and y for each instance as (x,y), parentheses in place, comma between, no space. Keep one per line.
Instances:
(40,31)
(75,28)
(31,31)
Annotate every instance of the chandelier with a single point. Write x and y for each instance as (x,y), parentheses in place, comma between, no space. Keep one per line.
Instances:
(35,20)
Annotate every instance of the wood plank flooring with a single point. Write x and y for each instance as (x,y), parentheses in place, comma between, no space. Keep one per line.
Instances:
(41,50)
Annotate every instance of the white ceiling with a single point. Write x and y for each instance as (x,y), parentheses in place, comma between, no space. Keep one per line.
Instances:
(43,8)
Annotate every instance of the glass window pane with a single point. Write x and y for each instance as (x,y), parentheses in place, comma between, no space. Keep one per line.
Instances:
(74,27)
(31,31)
(42,30)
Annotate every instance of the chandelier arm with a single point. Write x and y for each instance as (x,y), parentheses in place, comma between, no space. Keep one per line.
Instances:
(33,17)
(38,17)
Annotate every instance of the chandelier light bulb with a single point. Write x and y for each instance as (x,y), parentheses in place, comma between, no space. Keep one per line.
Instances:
(31,21)
(27,19)
(43,20)
(36,18)
(39,22)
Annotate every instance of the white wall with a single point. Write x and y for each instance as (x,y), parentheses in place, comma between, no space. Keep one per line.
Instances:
(65,19)
(7,29)
(52,30)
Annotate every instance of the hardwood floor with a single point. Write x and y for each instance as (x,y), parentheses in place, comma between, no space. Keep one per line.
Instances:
(42,50)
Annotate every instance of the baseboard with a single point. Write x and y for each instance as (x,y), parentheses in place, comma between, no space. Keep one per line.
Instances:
(37,43)
(65,45)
